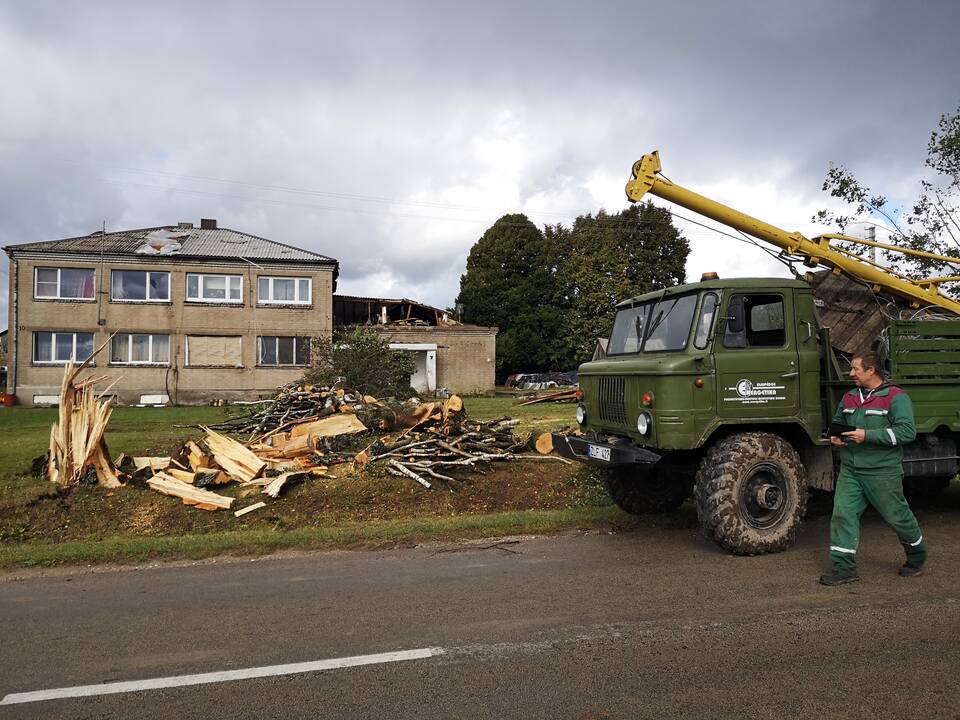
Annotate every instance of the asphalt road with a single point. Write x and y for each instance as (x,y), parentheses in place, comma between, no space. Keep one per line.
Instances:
(650,623)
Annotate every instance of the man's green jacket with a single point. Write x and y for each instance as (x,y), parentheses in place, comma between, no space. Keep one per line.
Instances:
(886,414)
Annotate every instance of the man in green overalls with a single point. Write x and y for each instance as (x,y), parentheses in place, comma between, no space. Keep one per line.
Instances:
(871,470)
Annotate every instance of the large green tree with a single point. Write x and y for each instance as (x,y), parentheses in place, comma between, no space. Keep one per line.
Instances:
(552,293)
(511,283)
(611,257)
(931,223)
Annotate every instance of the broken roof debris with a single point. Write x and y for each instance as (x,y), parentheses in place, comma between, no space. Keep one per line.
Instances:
(162,242)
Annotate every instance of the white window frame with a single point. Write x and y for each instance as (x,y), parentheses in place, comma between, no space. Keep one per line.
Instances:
(296,290)
(130,361)
(53,346)
(58,296)
(276,348)
(147,286)
(200,299)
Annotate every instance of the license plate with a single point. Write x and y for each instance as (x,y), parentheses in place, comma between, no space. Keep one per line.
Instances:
(599,453)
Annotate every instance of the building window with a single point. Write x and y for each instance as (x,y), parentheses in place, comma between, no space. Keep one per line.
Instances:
(214,288)
(58,347)
(279,350)
(63,283)
(284,290)
(140,285)
(214,351)
(140,349)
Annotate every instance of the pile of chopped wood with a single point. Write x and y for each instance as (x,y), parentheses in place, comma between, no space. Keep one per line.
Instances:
(219,460)
(297,436)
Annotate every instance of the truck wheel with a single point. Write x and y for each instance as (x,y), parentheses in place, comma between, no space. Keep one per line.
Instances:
(751,493)
(640,492)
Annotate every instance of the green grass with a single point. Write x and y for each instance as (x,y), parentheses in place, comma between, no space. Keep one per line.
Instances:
(378,534)
(542,416)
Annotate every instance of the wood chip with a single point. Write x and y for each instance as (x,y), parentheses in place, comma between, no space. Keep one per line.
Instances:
(249,508)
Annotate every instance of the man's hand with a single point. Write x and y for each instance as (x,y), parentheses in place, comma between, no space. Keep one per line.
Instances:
(858,435)
(834,440)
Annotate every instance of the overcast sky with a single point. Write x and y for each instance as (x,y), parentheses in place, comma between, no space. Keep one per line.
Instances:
(391,135)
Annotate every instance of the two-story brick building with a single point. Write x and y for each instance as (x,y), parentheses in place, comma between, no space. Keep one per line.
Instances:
(189,314)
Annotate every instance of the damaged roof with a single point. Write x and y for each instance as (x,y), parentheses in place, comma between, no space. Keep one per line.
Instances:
(193,243)
(352,310)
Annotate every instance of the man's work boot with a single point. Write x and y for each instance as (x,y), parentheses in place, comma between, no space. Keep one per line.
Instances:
(839,578)
(911,570)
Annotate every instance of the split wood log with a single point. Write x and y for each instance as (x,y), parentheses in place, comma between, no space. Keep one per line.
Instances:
(345,424)
(276,485)
(181,475)
(106,471)
(204,499)
(233,457)
(453,404)
(300,445)
(197,458)
(154,463)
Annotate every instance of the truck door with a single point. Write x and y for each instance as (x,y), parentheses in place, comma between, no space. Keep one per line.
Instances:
(756,359)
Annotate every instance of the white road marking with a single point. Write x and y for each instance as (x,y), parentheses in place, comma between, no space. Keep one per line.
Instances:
(216,677)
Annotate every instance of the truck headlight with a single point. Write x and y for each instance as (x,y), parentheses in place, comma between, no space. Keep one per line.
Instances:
(581,414)
(643,422)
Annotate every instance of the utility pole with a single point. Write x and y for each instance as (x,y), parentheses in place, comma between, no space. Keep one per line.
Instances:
(872,236)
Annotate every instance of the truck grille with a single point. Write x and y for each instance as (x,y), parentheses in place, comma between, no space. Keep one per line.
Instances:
(610,399)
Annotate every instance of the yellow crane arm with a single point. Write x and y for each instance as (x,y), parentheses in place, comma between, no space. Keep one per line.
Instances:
(646,179)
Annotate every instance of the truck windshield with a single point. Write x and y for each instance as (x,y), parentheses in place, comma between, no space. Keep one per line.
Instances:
(653,327)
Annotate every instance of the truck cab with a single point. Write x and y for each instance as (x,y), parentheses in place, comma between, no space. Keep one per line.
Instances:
(685,361)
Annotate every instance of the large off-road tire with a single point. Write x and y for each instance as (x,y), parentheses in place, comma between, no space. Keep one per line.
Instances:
(641,491)
(751,493)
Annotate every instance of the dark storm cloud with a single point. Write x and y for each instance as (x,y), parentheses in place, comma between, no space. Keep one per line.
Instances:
(390,135)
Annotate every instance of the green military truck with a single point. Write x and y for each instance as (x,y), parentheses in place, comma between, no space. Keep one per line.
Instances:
(725,388)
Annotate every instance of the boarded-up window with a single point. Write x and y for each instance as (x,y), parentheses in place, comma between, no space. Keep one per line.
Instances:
(214,351)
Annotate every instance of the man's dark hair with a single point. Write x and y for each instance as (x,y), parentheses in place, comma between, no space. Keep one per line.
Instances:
(869,359)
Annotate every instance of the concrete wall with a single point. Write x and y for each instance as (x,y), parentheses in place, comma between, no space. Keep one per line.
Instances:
(466,354)
(177,318)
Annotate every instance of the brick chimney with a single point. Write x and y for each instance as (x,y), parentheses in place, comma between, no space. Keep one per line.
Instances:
(208,223)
